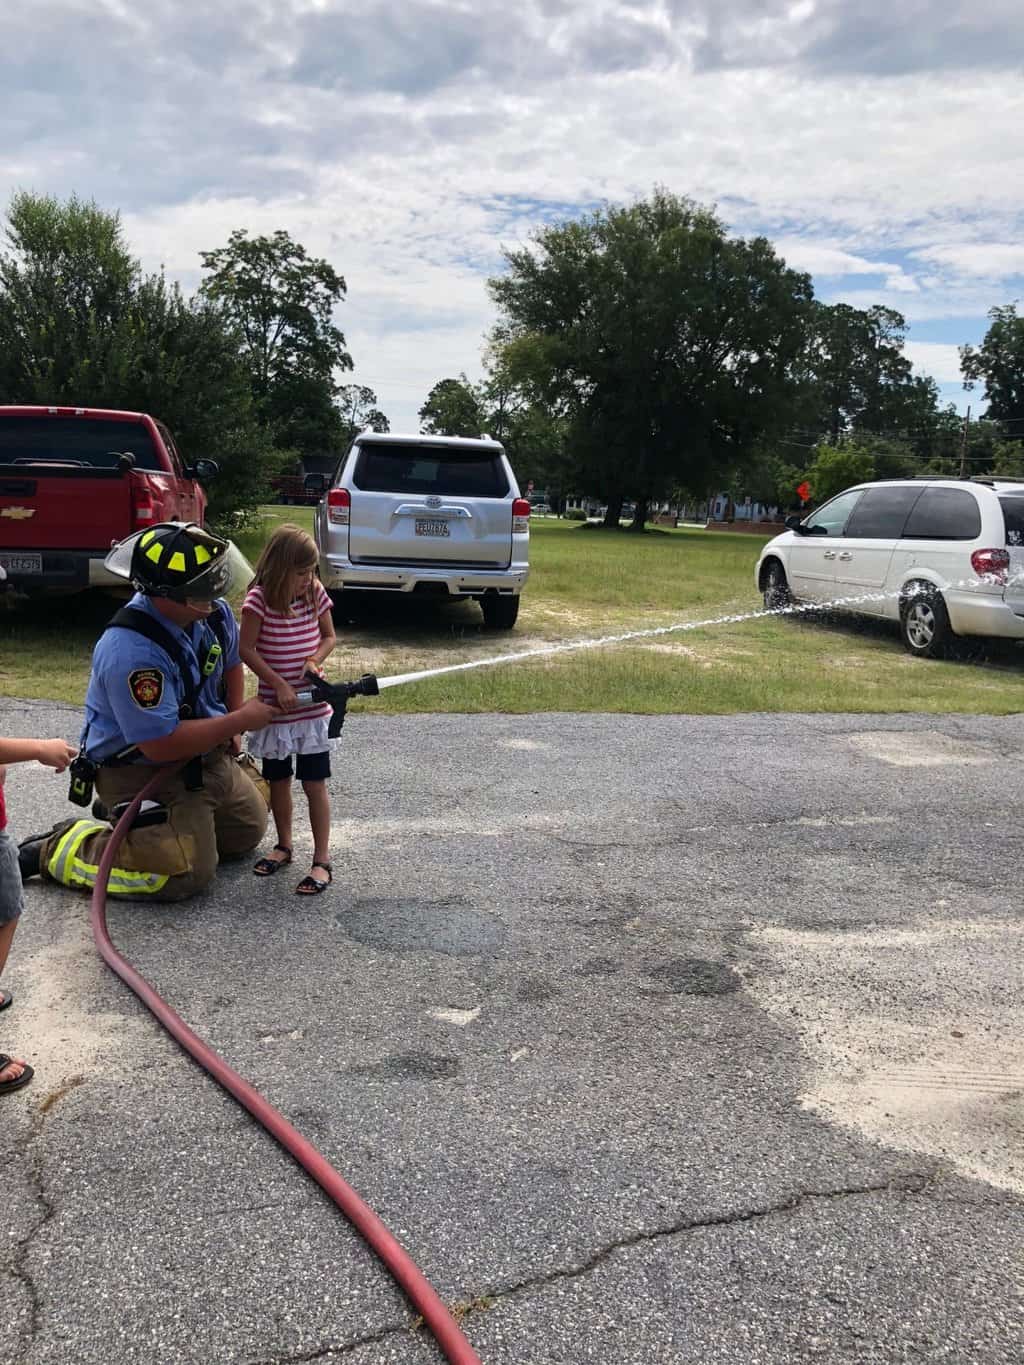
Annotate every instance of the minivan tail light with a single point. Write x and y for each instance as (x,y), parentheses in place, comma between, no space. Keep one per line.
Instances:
(520,517)
(991,564)
(143,506)
(339,505)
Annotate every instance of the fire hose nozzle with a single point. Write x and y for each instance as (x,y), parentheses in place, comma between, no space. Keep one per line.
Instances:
(337,695)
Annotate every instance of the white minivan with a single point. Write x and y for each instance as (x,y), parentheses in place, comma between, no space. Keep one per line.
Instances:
(941,557)
(427,515)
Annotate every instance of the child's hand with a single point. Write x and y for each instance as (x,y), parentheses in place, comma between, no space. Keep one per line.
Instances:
(55,753)
(312,666)
(3,773)
(287,698)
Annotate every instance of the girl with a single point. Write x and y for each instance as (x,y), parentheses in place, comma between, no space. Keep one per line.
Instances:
(287,629)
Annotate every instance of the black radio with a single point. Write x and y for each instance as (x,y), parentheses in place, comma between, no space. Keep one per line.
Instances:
(83,775)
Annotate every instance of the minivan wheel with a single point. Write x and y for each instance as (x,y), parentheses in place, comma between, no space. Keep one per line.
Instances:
(775,588)
(924,622)
(500,613)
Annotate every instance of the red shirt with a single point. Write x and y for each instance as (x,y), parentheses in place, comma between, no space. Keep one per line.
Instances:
(3,807)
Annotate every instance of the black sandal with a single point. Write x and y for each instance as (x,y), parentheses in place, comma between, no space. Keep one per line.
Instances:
(266,867)
(18,1081)
(309,886)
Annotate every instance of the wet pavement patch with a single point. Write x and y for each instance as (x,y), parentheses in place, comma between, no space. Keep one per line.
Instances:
(428,926)
(693,976)
(598,966)
(410,1066)
(535,991)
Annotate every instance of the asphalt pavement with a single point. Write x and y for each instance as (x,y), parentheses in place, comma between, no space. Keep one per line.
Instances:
(653,1039)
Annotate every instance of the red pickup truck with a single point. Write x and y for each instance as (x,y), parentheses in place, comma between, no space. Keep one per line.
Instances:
(75,480)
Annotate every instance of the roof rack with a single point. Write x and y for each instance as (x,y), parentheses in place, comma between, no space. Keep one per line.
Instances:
(995,478)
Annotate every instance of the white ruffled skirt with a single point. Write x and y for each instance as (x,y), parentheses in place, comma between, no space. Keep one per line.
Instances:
(298,737)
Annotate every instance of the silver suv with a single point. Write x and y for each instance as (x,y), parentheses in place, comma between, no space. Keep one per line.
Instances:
(940,557)
(438,515)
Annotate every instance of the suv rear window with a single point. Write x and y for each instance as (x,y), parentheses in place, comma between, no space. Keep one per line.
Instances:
(1013,516)
(430,469)
(92,441)
(944,514)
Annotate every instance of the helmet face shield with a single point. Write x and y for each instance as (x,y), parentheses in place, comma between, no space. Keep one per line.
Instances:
(180,562)
(230,574)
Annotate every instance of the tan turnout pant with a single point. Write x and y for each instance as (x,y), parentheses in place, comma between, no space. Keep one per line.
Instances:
(227,818)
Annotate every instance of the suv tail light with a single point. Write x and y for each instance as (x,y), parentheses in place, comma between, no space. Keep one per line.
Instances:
(520,517)
(991,564)
(143,506)
(339,505)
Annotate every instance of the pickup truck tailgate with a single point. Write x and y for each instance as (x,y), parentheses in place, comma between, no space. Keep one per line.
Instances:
(54,506)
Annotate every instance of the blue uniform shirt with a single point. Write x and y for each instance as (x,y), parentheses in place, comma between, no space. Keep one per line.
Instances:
(135,690)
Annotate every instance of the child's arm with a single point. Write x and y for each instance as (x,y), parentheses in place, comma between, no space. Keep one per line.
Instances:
(328,640)
(248,634)
(52,753)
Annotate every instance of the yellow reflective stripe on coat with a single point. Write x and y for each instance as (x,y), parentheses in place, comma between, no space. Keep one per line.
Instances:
(66,867)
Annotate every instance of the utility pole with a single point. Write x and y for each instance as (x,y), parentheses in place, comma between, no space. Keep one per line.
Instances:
(963,443)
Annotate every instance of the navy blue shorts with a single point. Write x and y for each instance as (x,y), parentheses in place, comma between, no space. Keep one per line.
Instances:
(308,767)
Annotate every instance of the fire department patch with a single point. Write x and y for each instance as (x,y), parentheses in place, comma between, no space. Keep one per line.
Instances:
(146,686)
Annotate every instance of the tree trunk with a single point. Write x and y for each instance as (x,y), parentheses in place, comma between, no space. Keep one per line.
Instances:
(639,515)
(613,512)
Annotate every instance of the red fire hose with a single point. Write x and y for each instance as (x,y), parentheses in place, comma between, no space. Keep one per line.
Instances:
(409,1277)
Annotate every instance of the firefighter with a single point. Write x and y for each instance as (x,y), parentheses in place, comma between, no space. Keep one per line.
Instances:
(166,685)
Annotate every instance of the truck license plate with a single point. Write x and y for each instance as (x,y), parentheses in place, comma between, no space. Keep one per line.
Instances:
(22,563)
(431,528)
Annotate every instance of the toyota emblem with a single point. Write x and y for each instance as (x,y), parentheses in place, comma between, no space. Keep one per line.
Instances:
(433,500)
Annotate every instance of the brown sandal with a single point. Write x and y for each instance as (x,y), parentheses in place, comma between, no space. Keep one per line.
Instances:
(309,886)
(266,867)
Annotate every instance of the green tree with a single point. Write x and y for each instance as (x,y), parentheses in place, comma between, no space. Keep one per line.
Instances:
(358,407)
(81,325)
(282,302)
(454,407)
(858,373)
(670,348)
(998,364)
(838,467)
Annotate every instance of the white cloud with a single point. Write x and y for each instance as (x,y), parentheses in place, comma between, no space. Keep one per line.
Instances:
(409,151)
(935,358)
(992,260)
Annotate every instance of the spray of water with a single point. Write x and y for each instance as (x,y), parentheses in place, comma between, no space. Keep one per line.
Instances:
(601,642)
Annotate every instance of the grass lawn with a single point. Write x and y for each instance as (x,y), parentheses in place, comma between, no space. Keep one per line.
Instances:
(585,583)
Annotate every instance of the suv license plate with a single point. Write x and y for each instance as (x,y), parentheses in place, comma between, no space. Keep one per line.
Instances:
(22,563)
(431,528)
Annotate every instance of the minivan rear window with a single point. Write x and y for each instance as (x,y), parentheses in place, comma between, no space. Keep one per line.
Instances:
(881,513)
(430,469)
(1013,516)
(944,514)
(92,441)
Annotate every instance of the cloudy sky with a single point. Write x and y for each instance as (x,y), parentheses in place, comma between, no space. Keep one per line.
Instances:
(877,142)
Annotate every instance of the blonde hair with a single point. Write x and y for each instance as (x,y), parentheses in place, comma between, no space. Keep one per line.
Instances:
(288,551)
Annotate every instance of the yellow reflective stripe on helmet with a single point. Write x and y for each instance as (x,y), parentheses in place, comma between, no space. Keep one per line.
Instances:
(202,554)
(155,553)
(145,539)
(67,868)
(177,562)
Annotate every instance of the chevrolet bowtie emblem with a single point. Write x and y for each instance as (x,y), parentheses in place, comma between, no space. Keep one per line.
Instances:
(17,513)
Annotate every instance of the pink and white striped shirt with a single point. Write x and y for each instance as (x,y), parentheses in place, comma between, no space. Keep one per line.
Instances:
(286,642)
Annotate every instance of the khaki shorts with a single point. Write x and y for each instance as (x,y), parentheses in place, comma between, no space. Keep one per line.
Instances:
(11,900)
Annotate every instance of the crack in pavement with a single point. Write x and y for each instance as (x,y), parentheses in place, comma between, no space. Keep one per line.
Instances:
(30,1148)
(909,1182)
